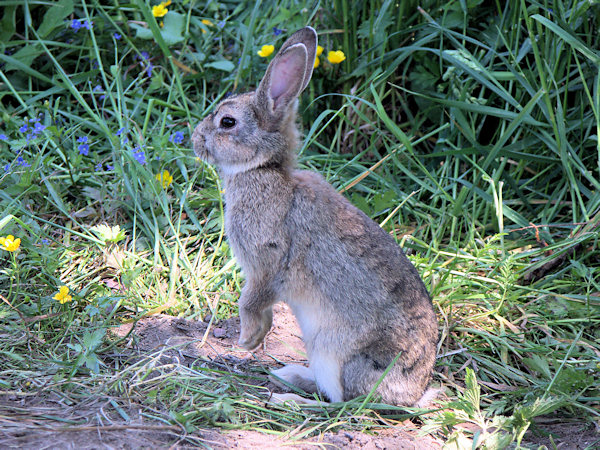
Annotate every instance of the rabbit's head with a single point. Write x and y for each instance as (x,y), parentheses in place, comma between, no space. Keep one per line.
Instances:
(258,128)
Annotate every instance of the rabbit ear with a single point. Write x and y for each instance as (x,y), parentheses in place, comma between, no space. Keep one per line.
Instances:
(308,37)
(289,72)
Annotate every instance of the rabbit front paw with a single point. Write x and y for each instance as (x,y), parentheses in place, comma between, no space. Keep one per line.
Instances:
(254,328)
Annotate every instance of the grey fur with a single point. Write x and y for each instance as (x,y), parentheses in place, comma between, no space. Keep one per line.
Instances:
(358,299)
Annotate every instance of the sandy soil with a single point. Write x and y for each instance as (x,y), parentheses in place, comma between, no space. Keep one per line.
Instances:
(218,343)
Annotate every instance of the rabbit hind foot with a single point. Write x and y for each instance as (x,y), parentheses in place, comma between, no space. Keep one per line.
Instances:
(281,399)
(301,377)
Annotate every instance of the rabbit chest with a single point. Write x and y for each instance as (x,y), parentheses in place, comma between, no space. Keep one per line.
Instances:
(255,210)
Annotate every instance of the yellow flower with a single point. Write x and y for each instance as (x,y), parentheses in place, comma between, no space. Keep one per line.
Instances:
(164,178)
(206,22)
(161,9)
(266,50)
(317,62)
(336,57)
(319,50)
(9,243)
(63,295)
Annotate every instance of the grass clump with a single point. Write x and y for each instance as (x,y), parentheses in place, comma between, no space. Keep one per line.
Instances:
(469,130)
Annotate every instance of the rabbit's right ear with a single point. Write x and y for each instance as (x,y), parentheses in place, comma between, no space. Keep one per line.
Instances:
(288,74)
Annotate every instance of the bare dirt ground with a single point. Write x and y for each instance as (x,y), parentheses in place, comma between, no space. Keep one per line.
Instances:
(48,421)
(52,422)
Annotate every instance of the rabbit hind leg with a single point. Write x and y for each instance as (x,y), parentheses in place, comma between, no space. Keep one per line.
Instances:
(328,376)
(322,376)
(300,376)
(402,386)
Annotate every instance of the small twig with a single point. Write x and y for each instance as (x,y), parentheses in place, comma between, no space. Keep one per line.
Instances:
(540,272)
(115,428)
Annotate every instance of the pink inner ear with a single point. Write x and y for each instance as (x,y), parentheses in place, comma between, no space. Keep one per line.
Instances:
(287,74)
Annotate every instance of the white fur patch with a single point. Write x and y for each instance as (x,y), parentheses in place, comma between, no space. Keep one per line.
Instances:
(326,369)
(309,317)
(290,371)
(428,397)
(235,168)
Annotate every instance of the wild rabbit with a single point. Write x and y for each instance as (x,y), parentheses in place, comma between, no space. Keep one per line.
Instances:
(358,299)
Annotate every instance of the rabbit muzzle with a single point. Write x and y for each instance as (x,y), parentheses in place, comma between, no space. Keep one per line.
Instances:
(199,143)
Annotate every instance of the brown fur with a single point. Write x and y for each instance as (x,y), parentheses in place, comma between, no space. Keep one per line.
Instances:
(358,299)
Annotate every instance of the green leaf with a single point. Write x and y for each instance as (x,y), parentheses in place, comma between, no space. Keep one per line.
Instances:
(77,347)
(224,65)
(361,203)
(7,24)
(25,56)
(472,394)
(54,17)
(141,31)
(92,362)
(92,340)
(539,365)
(6,220)
(570,39)
(171,33)
(56,197)
(384,201)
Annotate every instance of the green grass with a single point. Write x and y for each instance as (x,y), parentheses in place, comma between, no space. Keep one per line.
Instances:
(470,132)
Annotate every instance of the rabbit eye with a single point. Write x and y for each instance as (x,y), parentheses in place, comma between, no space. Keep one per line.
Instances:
(227,122)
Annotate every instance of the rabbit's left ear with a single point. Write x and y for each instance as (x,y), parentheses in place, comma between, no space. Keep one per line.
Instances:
(289,72)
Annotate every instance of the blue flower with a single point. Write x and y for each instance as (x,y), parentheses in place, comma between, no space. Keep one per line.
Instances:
(84,147)
(46,241)
(176,138)
(118,133)
(22,162)
(139,155)
(38,128)
(3,137)
(7,168)
(76,24)
(117,36)
(109,167)
(149,69)
(99,90)
(221,24)
(24,128)
(98,167)
(145,55)
(277,31)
